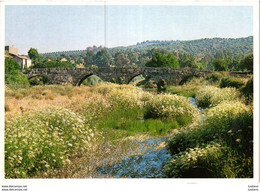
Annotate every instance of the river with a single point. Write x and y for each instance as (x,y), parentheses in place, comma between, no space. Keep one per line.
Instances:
(148,164)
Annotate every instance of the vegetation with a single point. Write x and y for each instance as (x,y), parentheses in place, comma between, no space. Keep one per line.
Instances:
(52,64)
(161,60)
(44,140)
(198,54)
(34,55)
(66,131)
(220,65)
(13,76)
(214,77)
(248,90)
(231,82)
(228,126)
(169,107)
(62,121)
(217,145)
(247,63)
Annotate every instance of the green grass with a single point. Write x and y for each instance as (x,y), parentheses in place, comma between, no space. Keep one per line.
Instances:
(131,123)
(183,91)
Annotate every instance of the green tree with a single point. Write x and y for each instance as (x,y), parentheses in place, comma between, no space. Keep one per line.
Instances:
(11,65)
(220,65)
(188,61)
(133,57)
(161,60)
(247,63)
(89,58)
(34,55)
(102,58)
(13,77)
(121,60)
(53,64)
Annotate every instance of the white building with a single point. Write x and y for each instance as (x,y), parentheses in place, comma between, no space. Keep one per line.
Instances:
(23,61)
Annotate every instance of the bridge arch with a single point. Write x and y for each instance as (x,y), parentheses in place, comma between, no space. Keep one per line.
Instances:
(135,76)
(44,78)
(84,77)
(187,78)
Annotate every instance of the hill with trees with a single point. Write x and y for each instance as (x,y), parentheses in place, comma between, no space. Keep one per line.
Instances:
(198,54)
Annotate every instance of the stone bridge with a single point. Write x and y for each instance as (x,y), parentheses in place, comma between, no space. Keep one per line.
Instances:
(76,76)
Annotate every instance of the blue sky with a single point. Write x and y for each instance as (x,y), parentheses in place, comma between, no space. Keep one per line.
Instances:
(58,28)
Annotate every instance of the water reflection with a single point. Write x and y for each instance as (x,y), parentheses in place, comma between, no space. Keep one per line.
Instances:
(146,165)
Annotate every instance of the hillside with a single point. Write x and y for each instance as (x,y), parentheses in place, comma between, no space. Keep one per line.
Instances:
(199,48)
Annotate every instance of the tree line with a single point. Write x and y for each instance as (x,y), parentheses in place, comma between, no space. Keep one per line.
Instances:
(222,60)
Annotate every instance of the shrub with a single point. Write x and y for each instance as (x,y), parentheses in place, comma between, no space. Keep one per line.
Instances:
(195,162)
(209,96)
(248,90)
(13,77)
(220,65)
(53,64)
(43,140)
(165,106)
(16,80)
(124,96)
(247,62)
(230,125)
(11,65)
(214,77)
(215,160)
(230,82)
(161,60)
(94,110)
(38,80)
(230,121)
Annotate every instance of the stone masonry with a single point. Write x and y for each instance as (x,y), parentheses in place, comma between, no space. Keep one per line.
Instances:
(76,76)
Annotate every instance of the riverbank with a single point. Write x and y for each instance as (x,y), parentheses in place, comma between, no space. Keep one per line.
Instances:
(128,132)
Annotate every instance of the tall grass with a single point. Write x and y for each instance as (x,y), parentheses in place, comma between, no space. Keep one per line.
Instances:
(210,96)
(168,107)
(229,125)
(44,140)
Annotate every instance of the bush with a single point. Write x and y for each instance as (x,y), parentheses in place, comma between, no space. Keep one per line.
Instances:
(236,122)
(16,79)
(215,160)
(230,125)
(11,65)
(53,64)
(247,62)
(13,77)
(220,65)
(43,140)
(195,162)
(230,82)
(165,106)
(248,90)
(231,121)
(124,96)
(214,77)
(161,60)
(35,81)
(210,96)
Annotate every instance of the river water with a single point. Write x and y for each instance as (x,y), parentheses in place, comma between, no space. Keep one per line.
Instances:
(148,164)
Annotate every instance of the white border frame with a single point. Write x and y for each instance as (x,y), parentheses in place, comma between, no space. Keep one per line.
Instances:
(114,184)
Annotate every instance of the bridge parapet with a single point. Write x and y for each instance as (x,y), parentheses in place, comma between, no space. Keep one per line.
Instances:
(76,76)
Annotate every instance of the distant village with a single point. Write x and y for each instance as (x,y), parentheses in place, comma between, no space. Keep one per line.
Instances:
(12,52)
